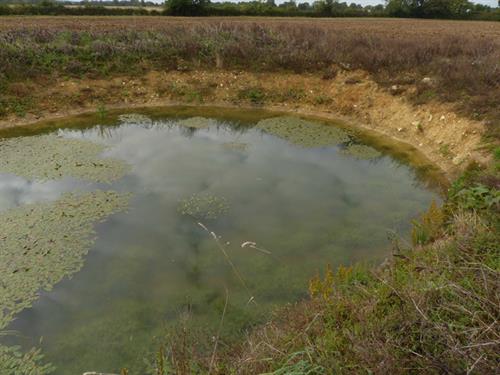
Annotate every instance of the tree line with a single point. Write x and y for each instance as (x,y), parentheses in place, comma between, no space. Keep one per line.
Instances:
(444,9)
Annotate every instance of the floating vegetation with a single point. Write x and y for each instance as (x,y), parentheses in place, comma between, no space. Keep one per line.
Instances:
(203,206)
(236,146)
(49,157)
(361,152)
(195,122)
(302,132)
(43,242)
(135,119)
(14,362)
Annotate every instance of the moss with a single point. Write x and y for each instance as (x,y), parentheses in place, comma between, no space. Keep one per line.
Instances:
(48,157)
(303,133)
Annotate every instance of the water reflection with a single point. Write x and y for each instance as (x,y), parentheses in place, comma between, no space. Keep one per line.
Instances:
(308,207)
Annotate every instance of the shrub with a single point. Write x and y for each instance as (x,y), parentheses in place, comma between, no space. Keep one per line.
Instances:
(429,227)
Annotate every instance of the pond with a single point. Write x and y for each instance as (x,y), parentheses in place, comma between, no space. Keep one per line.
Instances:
(244,207)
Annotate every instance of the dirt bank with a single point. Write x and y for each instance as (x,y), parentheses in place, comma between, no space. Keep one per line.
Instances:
(447,139)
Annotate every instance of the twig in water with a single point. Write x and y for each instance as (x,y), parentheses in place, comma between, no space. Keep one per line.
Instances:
(253,245)
(228,259)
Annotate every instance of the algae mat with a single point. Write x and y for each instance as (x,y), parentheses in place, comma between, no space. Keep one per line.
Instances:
(43,242)
(303,133)
(49,157)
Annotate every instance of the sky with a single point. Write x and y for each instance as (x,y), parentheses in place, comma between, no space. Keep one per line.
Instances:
(375,2)
(492,3)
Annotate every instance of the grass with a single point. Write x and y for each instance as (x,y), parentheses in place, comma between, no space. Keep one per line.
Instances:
(459,59)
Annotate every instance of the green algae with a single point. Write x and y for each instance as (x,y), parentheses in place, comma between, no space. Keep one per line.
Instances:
(43,242)
(303,133)
(361,152)
(49,157)
(196,122)
(203,206)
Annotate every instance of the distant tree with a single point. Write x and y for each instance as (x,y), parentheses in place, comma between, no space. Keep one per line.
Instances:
(399,8)
(324,7)
(429,8)
(304,6)
(186,7)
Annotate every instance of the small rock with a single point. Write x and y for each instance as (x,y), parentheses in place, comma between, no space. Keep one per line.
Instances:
(427,81)
(396,90)
(442,118)
(400,129)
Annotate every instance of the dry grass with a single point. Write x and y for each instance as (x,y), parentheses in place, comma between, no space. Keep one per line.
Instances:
(461,58)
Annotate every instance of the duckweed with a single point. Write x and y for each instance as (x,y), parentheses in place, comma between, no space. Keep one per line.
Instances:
(361,152)
(203,206)
(49,157)
(303,133)
(43,242)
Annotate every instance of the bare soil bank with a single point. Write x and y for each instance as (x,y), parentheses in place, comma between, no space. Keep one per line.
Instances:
(449,140)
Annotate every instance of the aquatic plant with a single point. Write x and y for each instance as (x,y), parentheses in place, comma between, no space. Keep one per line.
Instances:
(13,362)
(48,157)
(303,133)
(135,119)
(43,242)
(196,122)
(203,206)
(361,152)
(236,146)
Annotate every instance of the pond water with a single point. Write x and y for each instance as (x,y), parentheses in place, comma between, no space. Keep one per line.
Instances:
(281,211)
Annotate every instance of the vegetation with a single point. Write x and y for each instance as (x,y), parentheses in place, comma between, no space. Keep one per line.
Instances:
(457,64)
(40,158)
(453,9)
(37,230)
(303,133)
